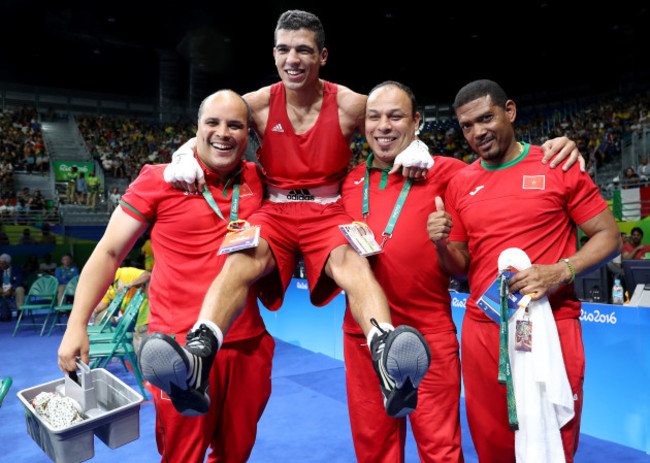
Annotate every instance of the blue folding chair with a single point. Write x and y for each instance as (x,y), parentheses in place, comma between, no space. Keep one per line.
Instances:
(111,311)
(40,300)
(105,346)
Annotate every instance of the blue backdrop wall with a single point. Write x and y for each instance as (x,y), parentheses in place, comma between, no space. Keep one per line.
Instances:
(617,379)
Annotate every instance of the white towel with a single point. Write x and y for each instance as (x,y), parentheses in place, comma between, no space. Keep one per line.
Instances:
(542,390)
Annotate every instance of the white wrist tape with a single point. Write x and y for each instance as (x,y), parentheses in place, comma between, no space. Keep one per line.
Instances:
(415,155)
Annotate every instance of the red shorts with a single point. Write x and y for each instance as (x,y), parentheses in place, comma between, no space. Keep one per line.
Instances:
(240,386)
(485,399)
(436,421)
(296,228)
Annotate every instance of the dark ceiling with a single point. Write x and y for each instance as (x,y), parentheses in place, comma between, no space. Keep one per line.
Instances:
(435,47)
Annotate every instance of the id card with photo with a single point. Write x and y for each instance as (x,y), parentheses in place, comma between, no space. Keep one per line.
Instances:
(362,239)
(245,238)
(524,336)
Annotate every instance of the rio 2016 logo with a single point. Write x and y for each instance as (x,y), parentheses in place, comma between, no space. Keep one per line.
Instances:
(459,303)
(597,317)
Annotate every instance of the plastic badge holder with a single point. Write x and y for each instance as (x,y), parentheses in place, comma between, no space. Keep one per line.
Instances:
(110,408)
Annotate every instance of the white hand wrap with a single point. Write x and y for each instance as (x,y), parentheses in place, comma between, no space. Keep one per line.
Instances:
(415,155)
(183,168)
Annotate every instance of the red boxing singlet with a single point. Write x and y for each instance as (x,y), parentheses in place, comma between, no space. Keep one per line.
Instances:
(316,158)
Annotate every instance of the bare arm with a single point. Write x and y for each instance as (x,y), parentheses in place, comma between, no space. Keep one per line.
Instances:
(453,259)
(97,275)
(259,102)
(352,112)
(603,245)
(632,253)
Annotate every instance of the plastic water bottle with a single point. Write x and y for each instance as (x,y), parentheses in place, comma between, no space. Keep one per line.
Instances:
(617,293)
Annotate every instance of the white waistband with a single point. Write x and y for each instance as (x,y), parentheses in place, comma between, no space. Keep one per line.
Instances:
(321,195)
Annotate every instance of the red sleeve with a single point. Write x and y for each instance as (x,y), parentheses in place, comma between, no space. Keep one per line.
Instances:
(141,198)
(584,200)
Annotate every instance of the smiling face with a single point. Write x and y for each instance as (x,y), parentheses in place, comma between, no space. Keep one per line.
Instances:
(390,124)
(298,58)
(488,129)
(222,134)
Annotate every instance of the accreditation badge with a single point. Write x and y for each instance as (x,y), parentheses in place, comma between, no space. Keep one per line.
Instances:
(361,238)
(240,237)
(524,336)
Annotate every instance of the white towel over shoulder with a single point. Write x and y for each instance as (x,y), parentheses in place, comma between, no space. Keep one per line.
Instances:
(542,390)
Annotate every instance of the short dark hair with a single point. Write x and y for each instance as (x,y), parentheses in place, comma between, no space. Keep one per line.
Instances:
(402,87)
(478,89)
(637,229)
(293,20)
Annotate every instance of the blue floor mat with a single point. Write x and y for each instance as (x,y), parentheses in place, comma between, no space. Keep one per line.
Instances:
(305,420)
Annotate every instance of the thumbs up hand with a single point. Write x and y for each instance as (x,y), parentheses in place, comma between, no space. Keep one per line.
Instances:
(439,224)
(440,205)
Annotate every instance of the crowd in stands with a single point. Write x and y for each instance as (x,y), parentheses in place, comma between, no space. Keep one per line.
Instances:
(124,145)
(21,143)
(21,150)
(27,208)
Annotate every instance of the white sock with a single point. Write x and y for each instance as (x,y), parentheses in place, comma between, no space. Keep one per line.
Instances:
(374,330)
(213,327)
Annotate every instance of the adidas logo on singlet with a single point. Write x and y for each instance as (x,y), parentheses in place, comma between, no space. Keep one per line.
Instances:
(300,195)
(277,128)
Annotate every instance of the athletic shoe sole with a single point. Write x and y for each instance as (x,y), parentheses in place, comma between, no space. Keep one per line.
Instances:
(165,364)
(406,358)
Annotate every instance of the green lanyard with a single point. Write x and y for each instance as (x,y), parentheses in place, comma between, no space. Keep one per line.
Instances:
(505,370)
(234,202)
(392,220)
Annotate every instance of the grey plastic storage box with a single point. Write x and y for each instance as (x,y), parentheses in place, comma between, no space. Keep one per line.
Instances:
(116,425)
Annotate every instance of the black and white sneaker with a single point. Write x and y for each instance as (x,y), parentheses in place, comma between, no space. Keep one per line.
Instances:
(401,358)
(181,372)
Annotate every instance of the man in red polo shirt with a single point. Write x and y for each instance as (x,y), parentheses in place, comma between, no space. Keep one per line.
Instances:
(416,288)
(186,233)
(509,199)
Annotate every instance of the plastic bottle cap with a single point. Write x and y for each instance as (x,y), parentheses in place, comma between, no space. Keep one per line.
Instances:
(617,281)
